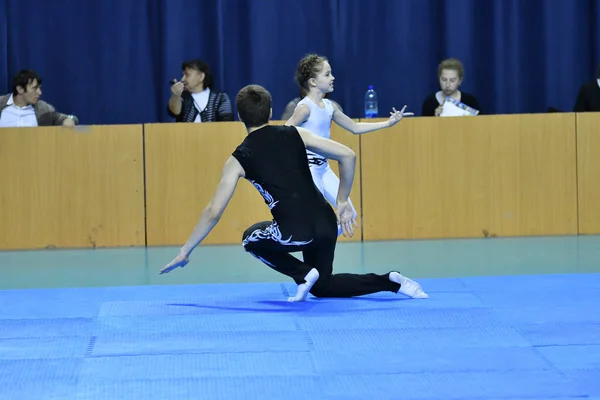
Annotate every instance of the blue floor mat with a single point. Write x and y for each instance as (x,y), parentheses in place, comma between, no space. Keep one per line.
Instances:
(476,338)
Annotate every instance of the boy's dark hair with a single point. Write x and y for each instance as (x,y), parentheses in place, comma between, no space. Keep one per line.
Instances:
(254,105)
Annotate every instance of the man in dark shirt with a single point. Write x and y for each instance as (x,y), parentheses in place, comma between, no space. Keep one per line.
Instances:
(588,98)
(273,159)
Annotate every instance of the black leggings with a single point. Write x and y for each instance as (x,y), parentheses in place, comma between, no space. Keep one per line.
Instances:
(265,241)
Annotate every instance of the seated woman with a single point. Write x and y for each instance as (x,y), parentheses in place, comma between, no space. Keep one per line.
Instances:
(450,74)
(192,99)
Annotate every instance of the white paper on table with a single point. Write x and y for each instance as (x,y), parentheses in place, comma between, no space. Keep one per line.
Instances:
(454,108)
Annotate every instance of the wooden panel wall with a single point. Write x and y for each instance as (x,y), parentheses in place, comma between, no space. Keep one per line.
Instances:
(508,175)
(503,175)
(61,188)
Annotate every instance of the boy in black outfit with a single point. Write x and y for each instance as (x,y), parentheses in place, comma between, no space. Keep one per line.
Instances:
(273,158)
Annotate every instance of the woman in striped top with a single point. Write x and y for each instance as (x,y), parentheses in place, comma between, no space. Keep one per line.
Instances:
(192,98)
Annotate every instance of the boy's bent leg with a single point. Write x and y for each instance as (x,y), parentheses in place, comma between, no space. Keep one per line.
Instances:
(262,241)
(351,285)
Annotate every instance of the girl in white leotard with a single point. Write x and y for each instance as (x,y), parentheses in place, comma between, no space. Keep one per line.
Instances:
(315,113)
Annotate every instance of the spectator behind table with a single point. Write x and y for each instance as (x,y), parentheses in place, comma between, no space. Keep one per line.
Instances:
(588,98)
(23,107)
(192,98)
(450,75)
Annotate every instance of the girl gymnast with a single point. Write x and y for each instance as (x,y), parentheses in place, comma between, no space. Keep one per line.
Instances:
(315,113)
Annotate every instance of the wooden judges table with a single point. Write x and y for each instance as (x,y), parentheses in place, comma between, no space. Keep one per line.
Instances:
(136,185)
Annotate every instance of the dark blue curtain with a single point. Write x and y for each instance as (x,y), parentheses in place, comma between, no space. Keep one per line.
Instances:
(110,61)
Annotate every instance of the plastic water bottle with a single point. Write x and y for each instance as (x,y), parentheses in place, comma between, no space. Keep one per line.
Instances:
(371,108)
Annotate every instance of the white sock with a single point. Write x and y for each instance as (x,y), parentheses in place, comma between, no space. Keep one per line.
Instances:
(408,287)
(303,289)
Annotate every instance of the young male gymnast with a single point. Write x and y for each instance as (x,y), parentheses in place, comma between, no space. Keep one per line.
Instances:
(273,158)
(315,113)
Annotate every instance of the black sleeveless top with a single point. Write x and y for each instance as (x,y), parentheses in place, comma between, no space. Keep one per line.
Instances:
(274,159)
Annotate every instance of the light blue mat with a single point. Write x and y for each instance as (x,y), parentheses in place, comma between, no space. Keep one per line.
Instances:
(525,337)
